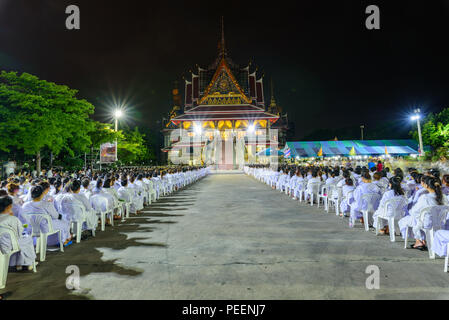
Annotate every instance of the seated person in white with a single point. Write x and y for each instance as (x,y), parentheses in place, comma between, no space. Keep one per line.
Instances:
(88,214)
(85,188)
(26,256)
(99,190)
(395,191)
(440,242)
(17,203)
(347,190)
(313,180)
(46,186)
(111,194)
(123,192)
(136,194)
(143,188)
(365,187)
(149,182)
(432,198)
(39,206)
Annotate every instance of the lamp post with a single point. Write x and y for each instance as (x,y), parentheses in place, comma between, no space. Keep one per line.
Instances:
(417,117)
(361,128)
(117,115)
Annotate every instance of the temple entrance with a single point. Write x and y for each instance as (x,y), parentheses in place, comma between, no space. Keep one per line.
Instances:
(227,154)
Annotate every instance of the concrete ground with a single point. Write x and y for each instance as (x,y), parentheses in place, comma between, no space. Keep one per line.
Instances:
(232,237)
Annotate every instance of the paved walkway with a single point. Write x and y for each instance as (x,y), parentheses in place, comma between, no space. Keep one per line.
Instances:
(231,237)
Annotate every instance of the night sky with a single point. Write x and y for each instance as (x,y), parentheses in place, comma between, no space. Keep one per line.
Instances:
(328,70)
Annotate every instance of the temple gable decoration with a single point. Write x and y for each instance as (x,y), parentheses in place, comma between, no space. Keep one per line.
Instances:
(224,88)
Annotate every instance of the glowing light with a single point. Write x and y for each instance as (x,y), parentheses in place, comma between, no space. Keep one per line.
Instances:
(414,118)
(251,128)
(198,129)
(118,113)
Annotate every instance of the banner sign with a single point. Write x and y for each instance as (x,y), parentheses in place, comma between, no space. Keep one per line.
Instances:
(107,153)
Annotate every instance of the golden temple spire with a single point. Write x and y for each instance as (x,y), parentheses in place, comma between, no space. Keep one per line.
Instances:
(273,101)
(221,45)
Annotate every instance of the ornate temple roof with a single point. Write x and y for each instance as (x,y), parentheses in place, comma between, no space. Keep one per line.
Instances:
(224,91)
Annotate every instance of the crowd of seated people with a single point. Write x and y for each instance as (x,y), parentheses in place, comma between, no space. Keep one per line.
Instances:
(69,196)
(409,191)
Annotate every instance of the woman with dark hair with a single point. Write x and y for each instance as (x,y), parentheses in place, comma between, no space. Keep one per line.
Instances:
(26,256)
(137,202)
(382,211)
(75,207)
(342,182)
(366,187)
(111,194)
(85,184)
(313,180)
(39,206)
(46,187)
(299,183)
(140,184)
(419,189)
(347,191)
(357,174)
(433,197)
(57,185)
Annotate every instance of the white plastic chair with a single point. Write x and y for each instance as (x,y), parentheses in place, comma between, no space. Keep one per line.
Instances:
(100,205)
(446,259)
(326,191)
(312,190)
(370,202)
(431,219)
(334,198)
(76,226)
(42,236)
(394,209)
(301,191)
(5,256)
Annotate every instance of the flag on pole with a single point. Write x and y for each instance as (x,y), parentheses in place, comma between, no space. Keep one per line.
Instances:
(287,153)
(352,152)
(320,153)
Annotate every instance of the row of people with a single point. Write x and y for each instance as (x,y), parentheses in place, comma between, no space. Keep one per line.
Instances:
(353,189)
(67,198)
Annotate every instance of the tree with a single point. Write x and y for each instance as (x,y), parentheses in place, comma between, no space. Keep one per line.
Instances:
(104,133)
(132,148)
(435,133)
(36,114)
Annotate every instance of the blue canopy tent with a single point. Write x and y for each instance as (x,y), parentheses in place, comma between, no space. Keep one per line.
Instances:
(267,152)
(310,149)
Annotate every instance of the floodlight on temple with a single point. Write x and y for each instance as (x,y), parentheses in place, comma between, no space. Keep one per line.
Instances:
(198,130)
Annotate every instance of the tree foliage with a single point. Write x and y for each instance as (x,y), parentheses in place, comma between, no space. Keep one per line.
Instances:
(36,114)
(104,133)
(132,148)
(435,133)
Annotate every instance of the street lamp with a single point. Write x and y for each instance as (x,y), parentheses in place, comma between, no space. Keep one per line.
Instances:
(361,128)
(117,115)
(417,117)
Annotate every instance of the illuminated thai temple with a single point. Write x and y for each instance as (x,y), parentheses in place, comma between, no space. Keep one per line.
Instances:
(224,120)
